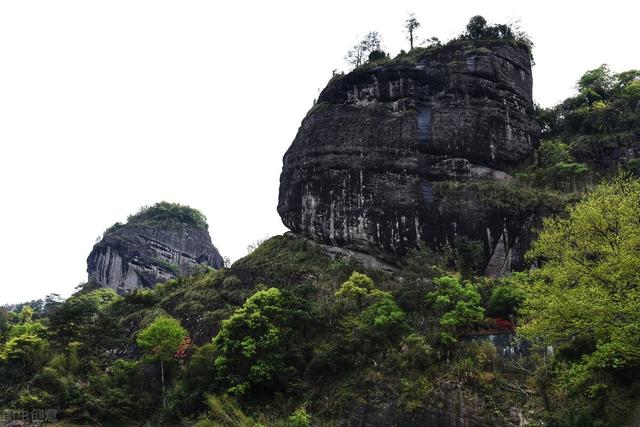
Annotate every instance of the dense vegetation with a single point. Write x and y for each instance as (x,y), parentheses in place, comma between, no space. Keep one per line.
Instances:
(169,215)
(368,53)
(289,336)
(600,126)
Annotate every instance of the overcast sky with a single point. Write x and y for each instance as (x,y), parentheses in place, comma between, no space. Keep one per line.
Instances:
(107,106)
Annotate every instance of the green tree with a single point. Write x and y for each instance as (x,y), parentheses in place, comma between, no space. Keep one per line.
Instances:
(458,305)
(506,298)
(356,290)
(588,287)
(256,346)
(162,339)
(77,318)
(372,319)
(23,355)
(26,314)
(469,256)
(596,84)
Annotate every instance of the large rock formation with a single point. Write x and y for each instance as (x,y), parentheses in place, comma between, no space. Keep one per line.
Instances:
(413,153)
(159,243)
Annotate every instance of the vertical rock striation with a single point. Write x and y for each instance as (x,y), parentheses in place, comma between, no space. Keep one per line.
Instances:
(371,166)
(147,249)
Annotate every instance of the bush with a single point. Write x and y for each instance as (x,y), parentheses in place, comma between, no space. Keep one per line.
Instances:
(253,344)
(169,214)
(505,300)
(458,305)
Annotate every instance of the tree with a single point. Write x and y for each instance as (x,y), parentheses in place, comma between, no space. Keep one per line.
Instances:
(596,84)
(372,314)
(587,290)
(26,314)
(469,256)
(556,167)
(76,318)
(458,304)
(256,345)
(476,27)
(506,298)
(162,339)
(410,25)
(23,355)
(370,43)
(356,290)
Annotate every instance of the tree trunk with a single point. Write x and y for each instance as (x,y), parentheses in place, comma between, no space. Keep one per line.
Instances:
(164,401)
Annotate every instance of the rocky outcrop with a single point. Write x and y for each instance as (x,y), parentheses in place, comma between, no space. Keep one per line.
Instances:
(146,251)
(448,406)
(367,167)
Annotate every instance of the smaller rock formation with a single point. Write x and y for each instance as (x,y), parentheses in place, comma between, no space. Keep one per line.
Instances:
(158,243)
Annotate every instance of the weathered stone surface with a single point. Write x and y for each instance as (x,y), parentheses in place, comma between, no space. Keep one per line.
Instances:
(448,406)
(363,170)
(133,256)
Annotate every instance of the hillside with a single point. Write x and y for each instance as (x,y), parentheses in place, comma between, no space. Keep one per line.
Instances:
(457,257)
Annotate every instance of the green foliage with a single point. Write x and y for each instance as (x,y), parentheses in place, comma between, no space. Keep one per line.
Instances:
(113,228)
(251,347)
(505,300)
(299,418)
(162,337)
(23,355)
(596,84)
(169,266)
(479,29)
(507,195)
(320,345)
(587,288)
(469,256)
(357,290)
(458,304)
(375,310)
(170,215)
(556,168)
(410,26)
(601,120)
(422,264)
(224,411)
(79,316)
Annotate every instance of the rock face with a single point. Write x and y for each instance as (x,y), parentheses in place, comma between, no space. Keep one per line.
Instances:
(143,252)
(369,167)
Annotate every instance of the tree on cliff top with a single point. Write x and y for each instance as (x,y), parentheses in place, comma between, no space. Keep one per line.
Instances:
(360,52)
(410,25)
(479,29)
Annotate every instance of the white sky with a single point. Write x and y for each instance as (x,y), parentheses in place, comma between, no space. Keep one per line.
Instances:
(106,106)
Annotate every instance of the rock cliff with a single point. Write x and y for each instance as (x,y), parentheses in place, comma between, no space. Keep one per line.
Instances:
(371,166)
(159,243)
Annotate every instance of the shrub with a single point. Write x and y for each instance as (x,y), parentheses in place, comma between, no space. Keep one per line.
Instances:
(458,304)
(169,214)
(252,345)
(505,300)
